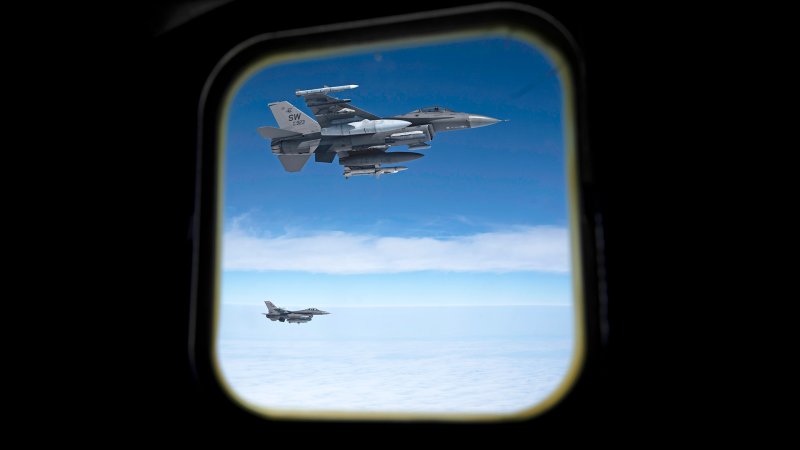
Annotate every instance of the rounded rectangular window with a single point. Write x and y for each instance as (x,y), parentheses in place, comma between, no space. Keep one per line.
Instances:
(397,231)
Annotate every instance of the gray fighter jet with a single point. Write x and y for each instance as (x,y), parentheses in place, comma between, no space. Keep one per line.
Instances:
(284,315)
(361,139)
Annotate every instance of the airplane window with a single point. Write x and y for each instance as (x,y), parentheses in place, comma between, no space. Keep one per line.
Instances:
(377,261)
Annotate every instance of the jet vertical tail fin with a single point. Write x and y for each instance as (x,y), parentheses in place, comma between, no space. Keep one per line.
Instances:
(270,305)
(291,118)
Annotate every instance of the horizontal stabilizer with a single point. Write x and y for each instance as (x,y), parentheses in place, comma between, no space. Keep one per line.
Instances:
(294,162)
(276,133)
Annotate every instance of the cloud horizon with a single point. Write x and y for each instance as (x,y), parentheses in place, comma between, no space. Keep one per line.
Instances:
(537,248)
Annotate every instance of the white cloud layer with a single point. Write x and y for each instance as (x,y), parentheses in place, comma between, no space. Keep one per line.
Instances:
(542,248)
(420,375)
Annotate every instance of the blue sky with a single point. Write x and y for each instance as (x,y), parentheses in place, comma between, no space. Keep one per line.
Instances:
(480,220)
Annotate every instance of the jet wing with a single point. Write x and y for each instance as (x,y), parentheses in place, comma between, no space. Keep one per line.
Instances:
(332,111)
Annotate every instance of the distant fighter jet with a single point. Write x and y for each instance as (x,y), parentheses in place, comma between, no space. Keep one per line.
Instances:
(358,137)
(284,315)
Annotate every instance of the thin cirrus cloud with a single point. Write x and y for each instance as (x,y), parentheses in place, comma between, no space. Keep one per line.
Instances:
(539,249)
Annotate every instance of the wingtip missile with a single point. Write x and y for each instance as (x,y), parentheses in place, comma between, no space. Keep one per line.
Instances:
(325,90)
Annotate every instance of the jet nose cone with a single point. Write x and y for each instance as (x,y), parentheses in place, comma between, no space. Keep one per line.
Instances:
(481,121)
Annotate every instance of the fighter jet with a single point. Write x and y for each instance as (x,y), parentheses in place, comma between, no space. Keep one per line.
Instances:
(360,139)
(284,315)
